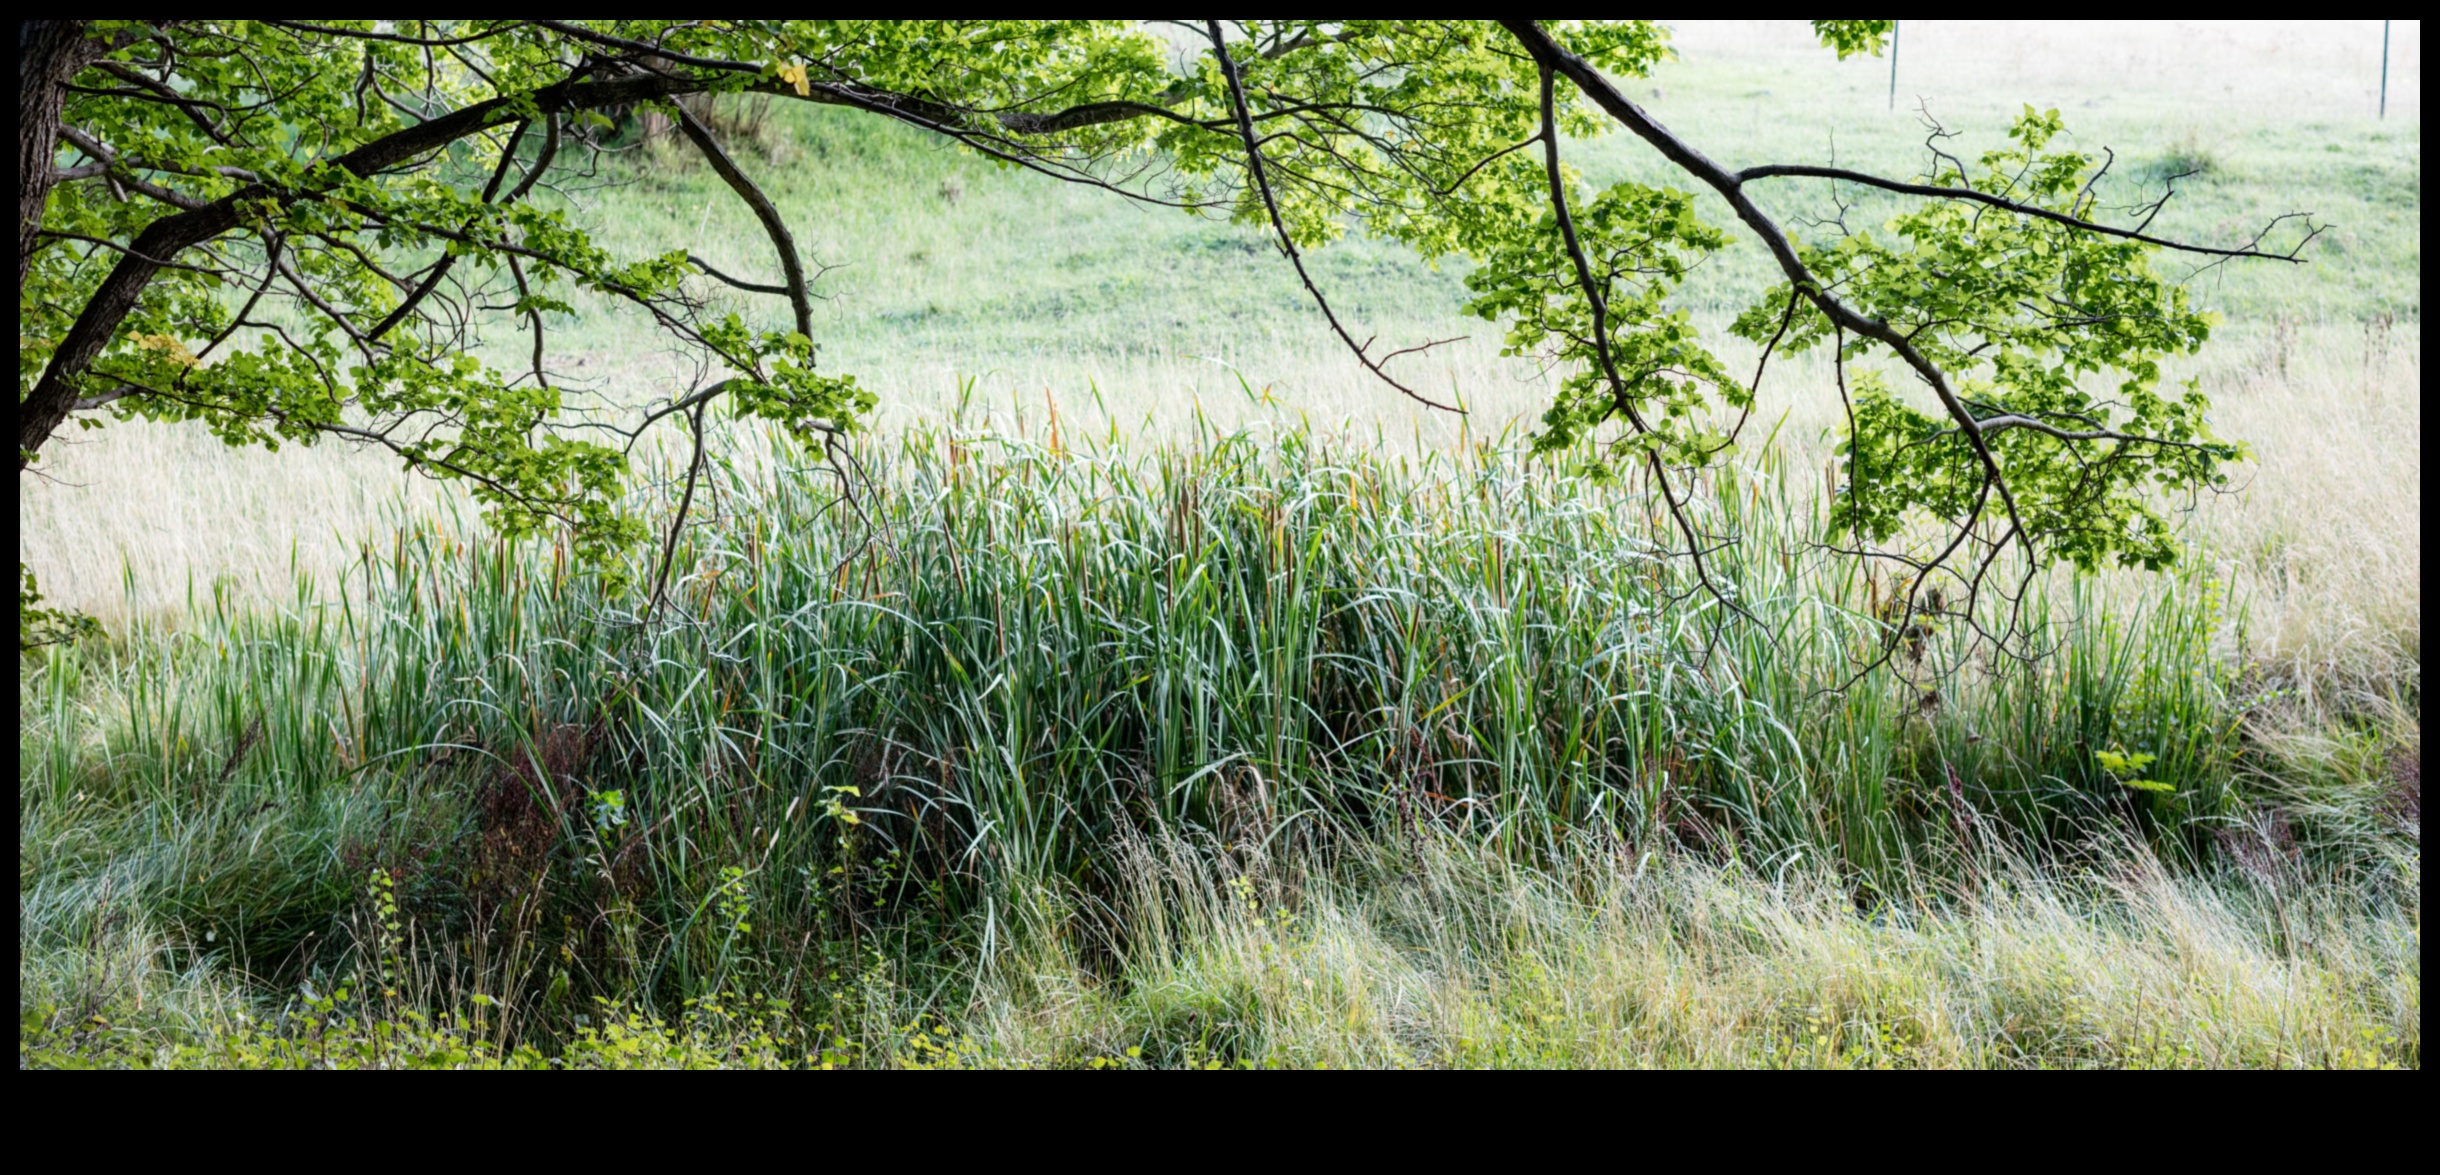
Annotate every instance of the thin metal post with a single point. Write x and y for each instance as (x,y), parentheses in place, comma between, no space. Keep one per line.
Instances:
(1893,65)
(2384,69)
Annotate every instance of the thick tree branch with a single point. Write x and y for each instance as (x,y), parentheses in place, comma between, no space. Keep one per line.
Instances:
(109,159)
(791,267)
(105,399)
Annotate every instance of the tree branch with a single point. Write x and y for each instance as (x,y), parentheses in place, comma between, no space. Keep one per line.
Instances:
(750,287)
(669,548)
(54,395)
(1593,85)
(1619,396)
(791,267)
(1287,242)
(1949,193)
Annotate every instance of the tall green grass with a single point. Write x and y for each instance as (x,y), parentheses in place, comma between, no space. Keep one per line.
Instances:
(873,716)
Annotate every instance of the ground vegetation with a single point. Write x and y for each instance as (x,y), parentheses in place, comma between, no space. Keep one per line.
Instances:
(1220,728)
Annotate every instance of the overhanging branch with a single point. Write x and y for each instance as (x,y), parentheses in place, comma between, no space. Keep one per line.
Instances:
(1943,192)
(1287,242)
(1590,82)
(792,267)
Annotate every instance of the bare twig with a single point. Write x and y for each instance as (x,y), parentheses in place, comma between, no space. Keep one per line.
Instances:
(1867,179)
(686,501)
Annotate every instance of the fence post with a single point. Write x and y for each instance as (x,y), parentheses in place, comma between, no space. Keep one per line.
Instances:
(1893,52)
(1893,64)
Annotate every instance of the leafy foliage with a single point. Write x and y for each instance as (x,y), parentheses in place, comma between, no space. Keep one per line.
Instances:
(1642,241)
(38,626)
(2018,311)
(1850,37)
(295,231)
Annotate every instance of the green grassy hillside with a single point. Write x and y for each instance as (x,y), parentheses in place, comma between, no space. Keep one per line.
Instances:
(946,258)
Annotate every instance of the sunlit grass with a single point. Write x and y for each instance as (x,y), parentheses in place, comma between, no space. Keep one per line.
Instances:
(890,748)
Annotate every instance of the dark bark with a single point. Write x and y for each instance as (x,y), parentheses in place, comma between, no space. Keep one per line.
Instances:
(800,297)
(49,52)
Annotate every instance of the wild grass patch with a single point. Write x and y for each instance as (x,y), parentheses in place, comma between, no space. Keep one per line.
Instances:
(1253,751)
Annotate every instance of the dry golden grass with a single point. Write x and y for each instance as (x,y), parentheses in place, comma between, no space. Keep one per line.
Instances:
(2324,541)
(1659,961)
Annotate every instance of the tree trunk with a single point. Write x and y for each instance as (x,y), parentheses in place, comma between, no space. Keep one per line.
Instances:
(49,52)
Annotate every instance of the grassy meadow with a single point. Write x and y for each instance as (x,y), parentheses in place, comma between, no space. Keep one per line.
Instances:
(1175,698)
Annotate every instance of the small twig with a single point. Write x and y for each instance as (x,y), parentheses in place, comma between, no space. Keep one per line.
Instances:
(686,501)
(698,262)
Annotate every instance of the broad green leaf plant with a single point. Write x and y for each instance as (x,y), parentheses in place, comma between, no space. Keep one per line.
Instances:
(290,230)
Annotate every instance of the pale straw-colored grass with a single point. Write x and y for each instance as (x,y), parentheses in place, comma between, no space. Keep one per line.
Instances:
(1443,958)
